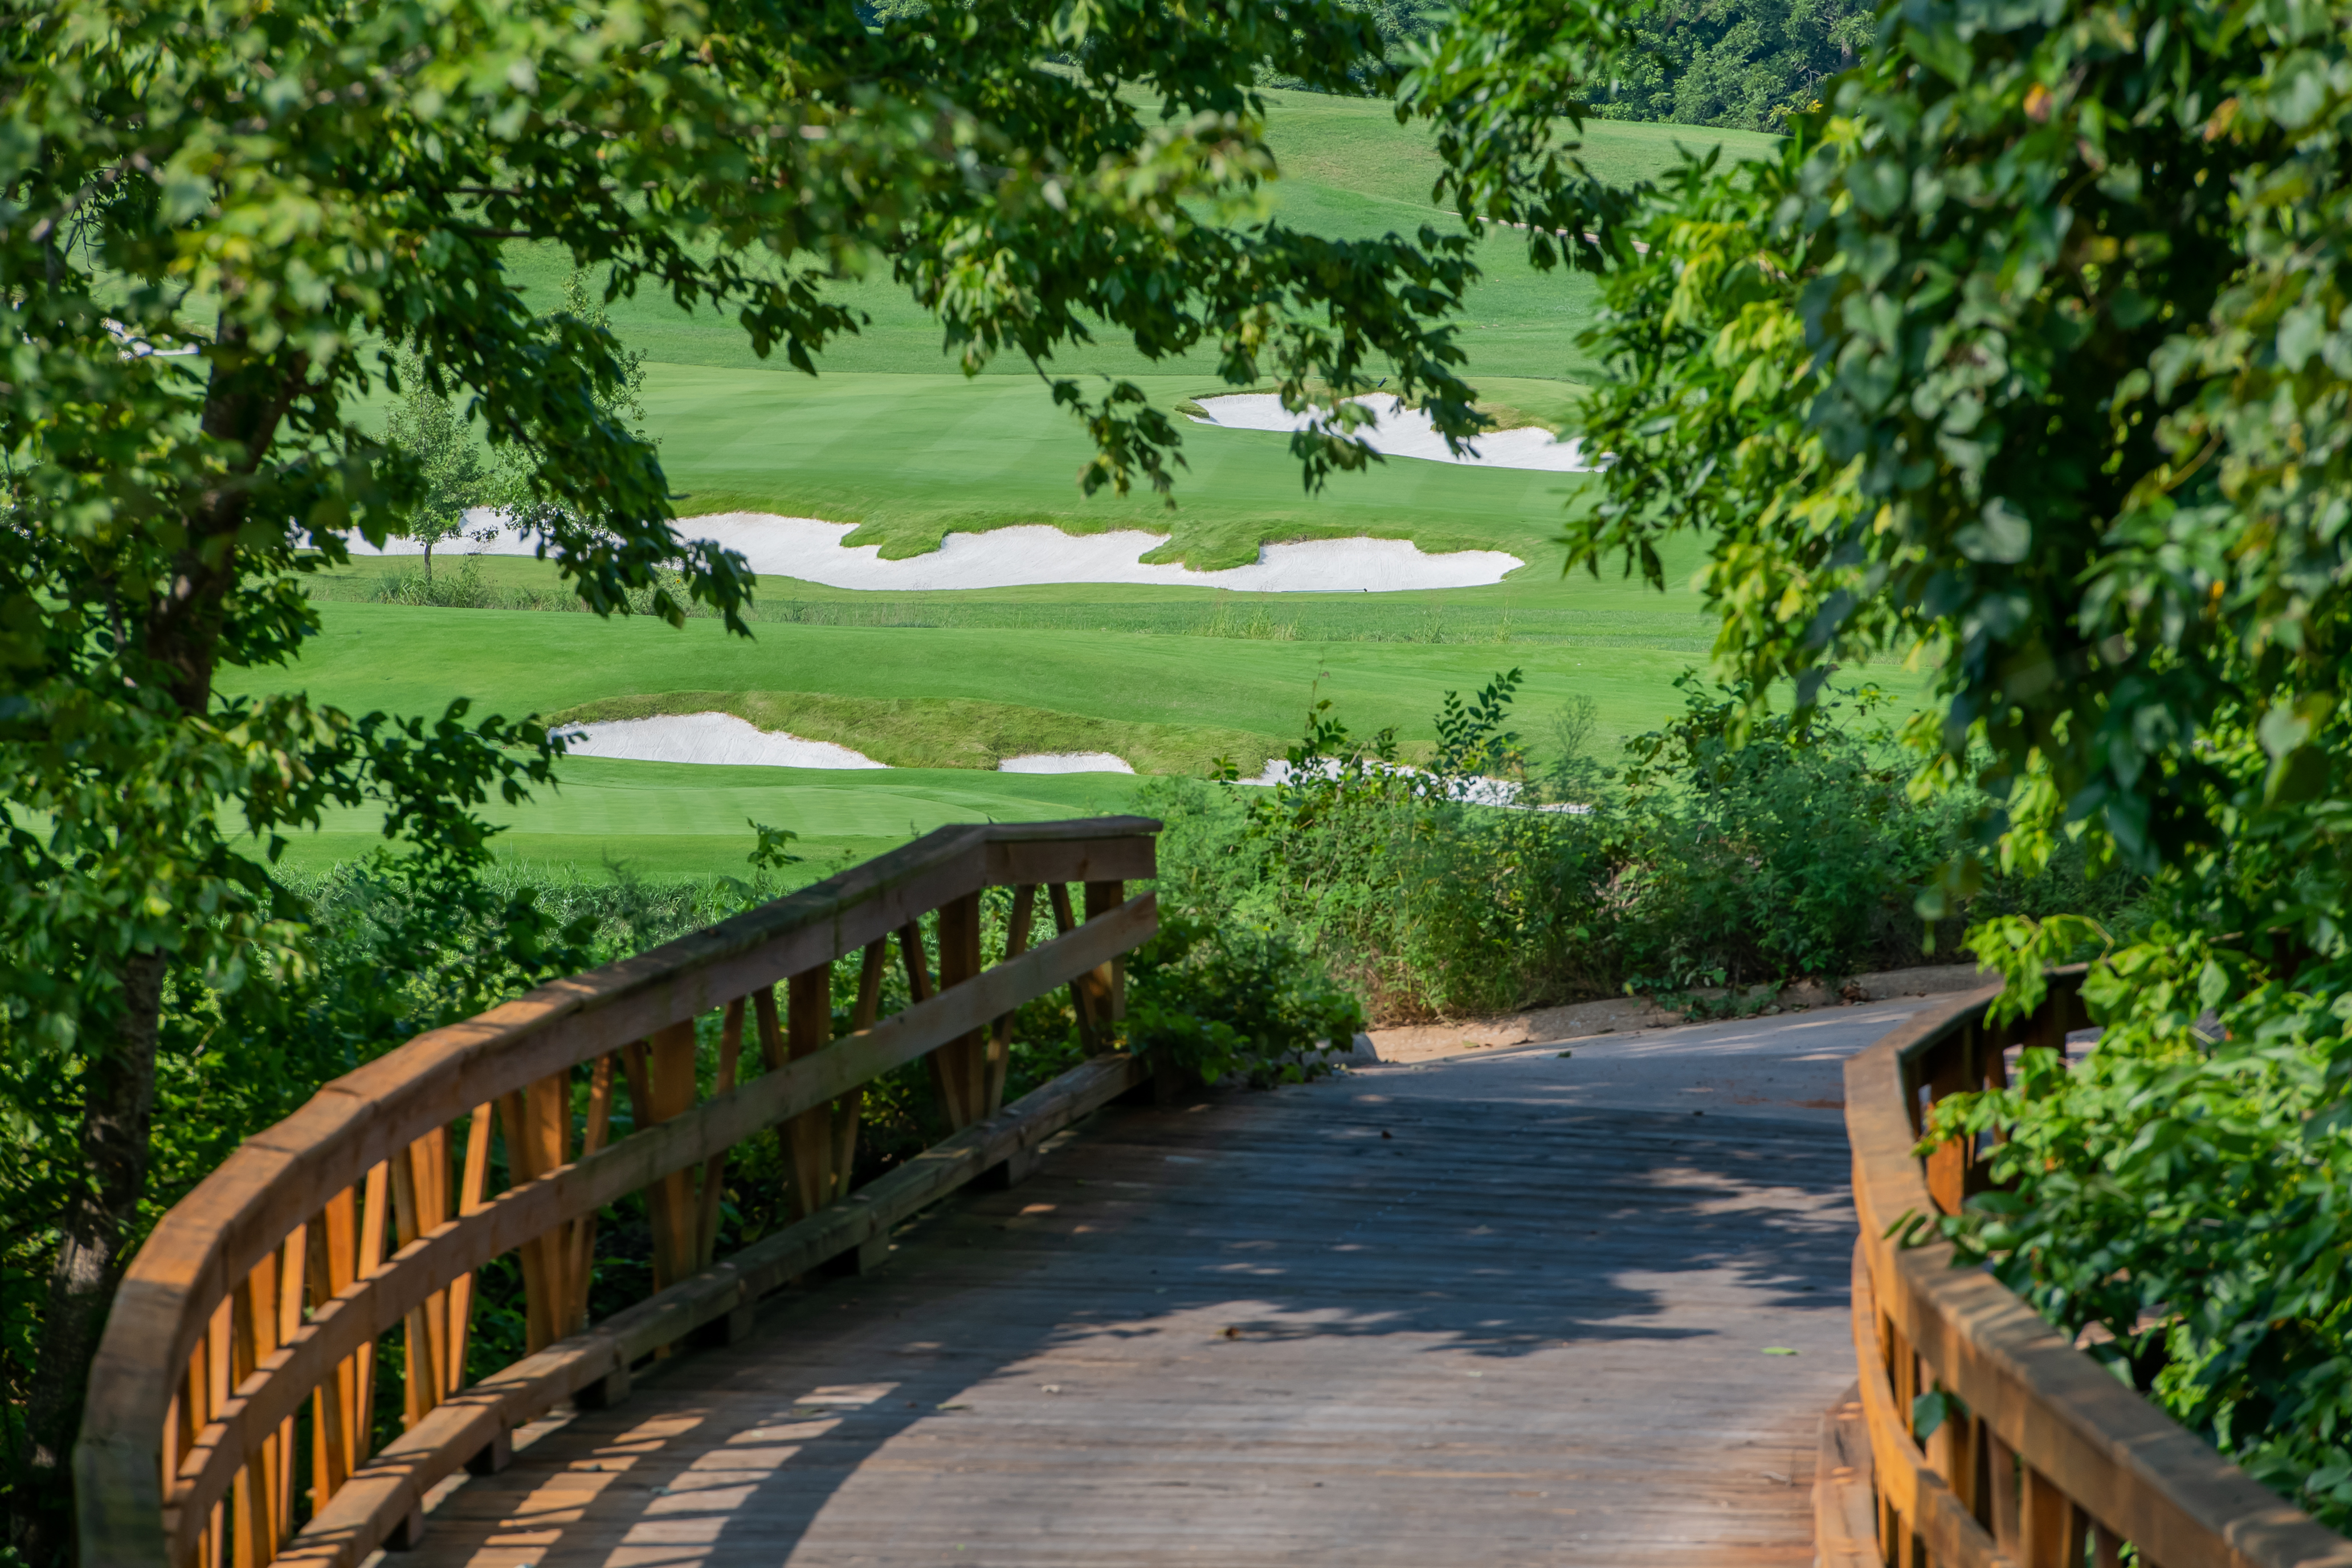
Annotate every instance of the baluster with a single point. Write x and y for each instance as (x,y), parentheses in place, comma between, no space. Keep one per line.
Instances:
(1092,1039)
(219,1357)
(1017,942)
(808,1028)
(2007,1494)
(661,1085)
(918,968)
(850,1106)
(253,1317)
(959,1068)
(581,1266)
(461,1289)
(706,1225)
(538,1122)
(419,1192)
(1102,899)
(2052,1527)
(293,1276)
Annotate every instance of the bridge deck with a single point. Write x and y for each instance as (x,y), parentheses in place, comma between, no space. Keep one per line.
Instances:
(1494,1309)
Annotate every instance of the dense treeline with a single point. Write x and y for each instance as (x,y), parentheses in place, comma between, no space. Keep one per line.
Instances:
(1745,65)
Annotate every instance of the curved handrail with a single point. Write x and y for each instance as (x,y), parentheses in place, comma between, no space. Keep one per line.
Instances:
(265,1291)
(2051,1462)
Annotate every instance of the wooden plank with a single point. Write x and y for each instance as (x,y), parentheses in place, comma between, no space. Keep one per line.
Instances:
(669,1200)
(1845,1529)
(714,1170)
(959,1068)
(1511,1334)
(531,1209)
(808,1030)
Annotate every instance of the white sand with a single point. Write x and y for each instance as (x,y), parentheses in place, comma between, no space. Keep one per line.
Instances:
(1400,432)
(706,738)
(1470,790)
(1065,762)
(812,550)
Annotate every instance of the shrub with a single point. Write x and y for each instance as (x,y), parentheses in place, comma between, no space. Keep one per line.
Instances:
(1221,1001)
(1719,856)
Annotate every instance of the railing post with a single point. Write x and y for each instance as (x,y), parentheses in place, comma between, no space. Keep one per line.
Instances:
(808,1028)
(959,1068)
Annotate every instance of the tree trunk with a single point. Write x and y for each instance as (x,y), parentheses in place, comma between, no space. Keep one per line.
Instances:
(429,567)
(118,1102)
(180,641)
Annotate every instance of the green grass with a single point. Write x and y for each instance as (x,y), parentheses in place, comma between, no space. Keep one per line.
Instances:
(666,820)
(1209,694)
(947,732)
(913,458)
(1349,171)
(413,660)
(893,437)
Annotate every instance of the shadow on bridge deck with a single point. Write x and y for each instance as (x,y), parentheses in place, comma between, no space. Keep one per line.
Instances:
(1500,1309)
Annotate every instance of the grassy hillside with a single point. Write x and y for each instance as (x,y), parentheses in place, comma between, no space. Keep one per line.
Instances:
(894,439)
(911,458)
(1349,171)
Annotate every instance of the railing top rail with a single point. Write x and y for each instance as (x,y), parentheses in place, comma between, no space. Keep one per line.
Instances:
(2121,1459)
(271,1184)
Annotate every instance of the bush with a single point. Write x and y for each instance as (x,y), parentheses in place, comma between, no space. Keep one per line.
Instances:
(2184,1187)
(1222,1002)
(1713,858)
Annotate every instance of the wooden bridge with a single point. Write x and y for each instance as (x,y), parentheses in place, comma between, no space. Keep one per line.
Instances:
(1495,1307)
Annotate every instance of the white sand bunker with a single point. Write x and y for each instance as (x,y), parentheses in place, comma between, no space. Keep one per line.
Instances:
(1473,791)
(810,550)
(1065,762)
(1401,432)
(706,738)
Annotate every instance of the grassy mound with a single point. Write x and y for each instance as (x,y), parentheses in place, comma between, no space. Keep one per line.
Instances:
(945,732)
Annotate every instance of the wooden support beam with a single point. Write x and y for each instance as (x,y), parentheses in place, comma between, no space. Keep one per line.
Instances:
(808,1030)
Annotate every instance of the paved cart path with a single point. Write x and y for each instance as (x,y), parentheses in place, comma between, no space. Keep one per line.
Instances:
(1503,1308)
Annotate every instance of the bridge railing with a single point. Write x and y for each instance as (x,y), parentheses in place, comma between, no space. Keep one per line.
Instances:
(232,1404)
(2042,1459)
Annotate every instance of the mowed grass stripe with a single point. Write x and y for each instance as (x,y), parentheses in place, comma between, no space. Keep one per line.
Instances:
(414,661)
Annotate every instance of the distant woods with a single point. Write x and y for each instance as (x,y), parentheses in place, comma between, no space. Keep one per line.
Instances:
(1742,65)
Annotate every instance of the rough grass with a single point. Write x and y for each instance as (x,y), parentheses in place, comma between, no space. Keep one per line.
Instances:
(894,438)
(947,731)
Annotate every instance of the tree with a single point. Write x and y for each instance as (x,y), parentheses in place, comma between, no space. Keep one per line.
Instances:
(1746,64)
(429,433)
(221,224)
(2026,359)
